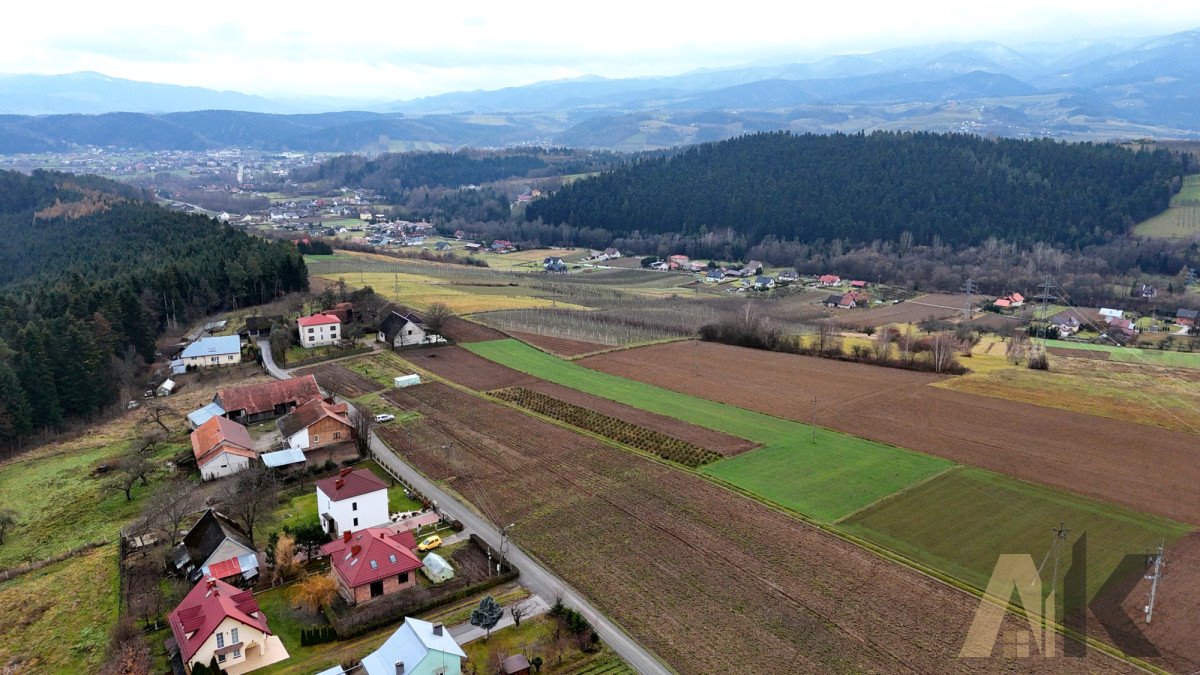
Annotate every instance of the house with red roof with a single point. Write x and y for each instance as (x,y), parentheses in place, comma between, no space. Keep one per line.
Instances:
(829,280)
(373,562)
(266,400)
(222,447)
(352,500)
(1010,301)
(319,329)
(217,621)
(316,424)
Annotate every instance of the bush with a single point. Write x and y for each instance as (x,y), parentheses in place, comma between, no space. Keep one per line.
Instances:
(1039,361)
(317,636)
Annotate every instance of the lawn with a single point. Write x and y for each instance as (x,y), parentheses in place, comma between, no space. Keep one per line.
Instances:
(60,503)
(827,478)
(57,619)
(535,637)
(299,505)
(420,292)
(962,520)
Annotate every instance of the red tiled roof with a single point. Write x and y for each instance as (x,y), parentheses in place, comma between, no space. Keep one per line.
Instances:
(312,412)
(219,435)
(318,319)
(205,607)
(352,484)
(1017,297)
(263,397)
(390,553)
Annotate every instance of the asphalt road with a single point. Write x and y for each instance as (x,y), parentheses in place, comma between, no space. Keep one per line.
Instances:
(534,576)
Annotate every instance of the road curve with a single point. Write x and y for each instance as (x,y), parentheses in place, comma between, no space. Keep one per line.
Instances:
(534,575)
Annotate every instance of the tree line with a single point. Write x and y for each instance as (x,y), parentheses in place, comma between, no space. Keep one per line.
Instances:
(391,174)
(82,300)
(929,188)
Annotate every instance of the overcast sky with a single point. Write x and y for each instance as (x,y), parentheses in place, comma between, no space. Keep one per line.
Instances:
(399,49)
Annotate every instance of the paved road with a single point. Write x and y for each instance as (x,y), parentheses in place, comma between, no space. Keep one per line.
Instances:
(531,607)
(534,576)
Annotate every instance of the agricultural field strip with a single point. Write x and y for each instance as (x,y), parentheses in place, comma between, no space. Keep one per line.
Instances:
(903,551)
(748,565)
(862,472)
(626,433)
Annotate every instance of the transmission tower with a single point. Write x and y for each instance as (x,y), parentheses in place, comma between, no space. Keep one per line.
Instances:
(1046,288)
(968,290)
(1158,565)
(1057,542)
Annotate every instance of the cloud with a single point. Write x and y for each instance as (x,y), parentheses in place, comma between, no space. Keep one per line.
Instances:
(403,50)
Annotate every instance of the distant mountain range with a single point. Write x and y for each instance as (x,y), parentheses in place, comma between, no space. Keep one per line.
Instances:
(1098,90)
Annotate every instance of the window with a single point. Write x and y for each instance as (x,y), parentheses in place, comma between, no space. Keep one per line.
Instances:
(410,331)
(374,565)
(402,577)
(356,522)
(337,434)
(310,330)
(220,639)
(316,438)
(233,635)
(353,506)
(376,589)
(392,558)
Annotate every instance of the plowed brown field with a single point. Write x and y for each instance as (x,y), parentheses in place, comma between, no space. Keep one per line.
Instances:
(461,330)
(461,366)
(937,305)
(699,574)
(341,381)
(557,345)
(1083,453)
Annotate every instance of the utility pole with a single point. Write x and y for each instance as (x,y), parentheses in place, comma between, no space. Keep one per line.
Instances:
(1158,565)
(1057,541)
(504,544)
(968,290)
(814,421)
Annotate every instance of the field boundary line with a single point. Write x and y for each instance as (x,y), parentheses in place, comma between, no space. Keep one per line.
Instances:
(897,493)
(932,573)
(621,348)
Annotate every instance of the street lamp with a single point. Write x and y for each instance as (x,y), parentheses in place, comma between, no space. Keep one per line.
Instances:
(504,542)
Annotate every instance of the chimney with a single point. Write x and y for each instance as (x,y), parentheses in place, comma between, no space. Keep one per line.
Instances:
(346,537)
(344,472)
(437,629)
(399,668)
(355,549)
(337,484)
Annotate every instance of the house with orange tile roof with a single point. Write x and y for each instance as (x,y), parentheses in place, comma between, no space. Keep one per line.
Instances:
(222,447)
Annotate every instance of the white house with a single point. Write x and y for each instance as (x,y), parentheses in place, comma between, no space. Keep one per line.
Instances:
(351,501)
(319,330)
(404,330)
(212,544)
(225,350)
(1110,314)
(222,622)
(222,447)
(166,388)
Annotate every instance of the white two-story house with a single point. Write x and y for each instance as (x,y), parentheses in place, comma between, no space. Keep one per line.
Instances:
(352,501)
(319,330)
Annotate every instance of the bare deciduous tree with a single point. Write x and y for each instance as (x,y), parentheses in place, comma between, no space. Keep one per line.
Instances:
(248,496)
(170,507)
(436,317)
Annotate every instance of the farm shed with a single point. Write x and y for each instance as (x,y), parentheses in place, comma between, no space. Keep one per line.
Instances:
(437,569)
(406,381)
(165,389)
(280,458)
(201,415)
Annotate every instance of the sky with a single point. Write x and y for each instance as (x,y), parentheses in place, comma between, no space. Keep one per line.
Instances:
(400,49)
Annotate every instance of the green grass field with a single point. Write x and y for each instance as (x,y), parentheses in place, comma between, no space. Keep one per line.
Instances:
(1153,357)
(1182,219)
(962,520)
(57,619)
(836,475)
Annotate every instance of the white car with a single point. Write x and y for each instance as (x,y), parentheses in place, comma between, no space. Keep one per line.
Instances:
(384,418)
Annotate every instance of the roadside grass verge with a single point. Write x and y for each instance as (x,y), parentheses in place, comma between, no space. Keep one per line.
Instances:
(960,522)
(826,479)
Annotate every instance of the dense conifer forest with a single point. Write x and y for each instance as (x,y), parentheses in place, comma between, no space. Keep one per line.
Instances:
(914,188)
(90,275)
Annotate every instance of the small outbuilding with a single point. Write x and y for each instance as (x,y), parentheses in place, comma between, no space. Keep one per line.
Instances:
(403,381)
(437,569)
(165,389)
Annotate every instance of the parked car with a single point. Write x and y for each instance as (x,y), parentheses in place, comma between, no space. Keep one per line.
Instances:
(384,417)
(431,542)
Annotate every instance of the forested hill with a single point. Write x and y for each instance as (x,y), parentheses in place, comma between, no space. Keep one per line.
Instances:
(89,275)
(956,188)
(393,173)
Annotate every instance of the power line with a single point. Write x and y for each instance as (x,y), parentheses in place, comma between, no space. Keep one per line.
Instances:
(968,289)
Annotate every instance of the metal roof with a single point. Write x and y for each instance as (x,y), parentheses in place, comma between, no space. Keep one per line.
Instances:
(212,346)
(282,457)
